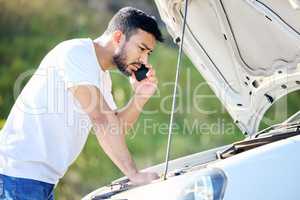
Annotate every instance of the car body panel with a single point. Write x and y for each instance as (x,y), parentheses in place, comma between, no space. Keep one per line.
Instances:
(266,172)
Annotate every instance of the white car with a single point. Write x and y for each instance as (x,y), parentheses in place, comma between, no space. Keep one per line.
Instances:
(249,53)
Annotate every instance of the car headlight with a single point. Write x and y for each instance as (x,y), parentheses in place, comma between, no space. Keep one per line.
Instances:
(209,185)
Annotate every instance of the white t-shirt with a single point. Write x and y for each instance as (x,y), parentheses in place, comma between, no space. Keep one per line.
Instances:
(46,128)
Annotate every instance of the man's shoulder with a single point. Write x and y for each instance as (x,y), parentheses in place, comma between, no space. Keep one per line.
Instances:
(77,43)
(75,46)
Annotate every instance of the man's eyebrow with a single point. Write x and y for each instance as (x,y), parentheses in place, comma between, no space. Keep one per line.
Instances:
(146,47)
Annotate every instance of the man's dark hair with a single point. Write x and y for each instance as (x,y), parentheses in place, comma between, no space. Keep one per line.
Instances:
(129,20)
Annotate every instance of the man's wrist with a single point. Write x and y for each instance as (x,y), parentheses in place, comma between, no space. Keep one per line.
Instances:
(140,100)
(132,173)
(131,170)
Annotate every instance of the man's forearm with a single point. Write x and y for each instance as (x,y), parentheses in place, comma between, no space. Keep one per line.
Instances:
(111,138)
(110,132)
(114,143)
(129,114)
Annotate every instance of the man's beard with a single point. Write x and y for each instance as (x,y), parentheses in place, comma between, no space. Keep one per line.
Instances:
(120,61)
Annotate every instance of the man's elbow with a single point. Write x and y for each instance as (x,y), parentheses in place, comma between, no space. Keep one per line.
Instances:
(102,122)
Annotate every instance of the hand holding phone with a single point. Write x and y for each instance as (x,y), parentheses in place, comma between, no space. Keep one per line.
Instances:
(141,73)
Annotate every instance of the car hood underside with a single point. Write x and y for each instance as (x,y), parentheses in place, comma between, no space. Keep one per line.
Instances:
(248,51)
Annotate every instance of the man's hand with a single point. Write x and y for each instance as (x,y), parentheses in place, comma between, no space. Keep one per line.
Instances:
(146,88)
(142,178)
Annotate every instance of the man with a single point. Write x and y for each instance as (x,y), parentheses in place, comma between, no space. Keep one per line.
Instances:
(69,94)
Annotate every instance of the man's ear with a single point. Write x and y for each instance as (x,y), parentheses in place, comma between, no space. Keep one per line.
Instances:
(118,38)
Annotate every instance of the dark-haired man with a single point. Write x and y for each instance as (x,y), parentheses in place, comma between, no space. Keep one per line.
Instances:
(69,94)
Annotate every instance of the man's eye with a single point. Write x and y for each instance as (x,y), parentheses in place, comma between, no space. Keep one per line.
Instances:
(142,49)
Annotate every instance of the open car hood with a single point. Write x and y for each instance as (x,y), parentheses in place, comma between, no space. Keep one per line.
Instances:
(247,50)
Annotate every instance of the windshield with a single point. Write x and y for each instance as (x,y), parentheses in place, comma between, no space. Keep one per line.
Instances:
(294,118)
(291,122)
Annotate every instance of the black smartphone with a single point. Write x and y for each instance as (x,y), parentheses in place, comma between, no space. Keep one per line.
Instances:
(140,74)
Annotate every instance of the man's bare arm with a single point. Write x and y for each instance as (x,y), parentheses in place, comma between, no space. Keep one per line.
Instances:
(143,91)
(109,131)
(130,113)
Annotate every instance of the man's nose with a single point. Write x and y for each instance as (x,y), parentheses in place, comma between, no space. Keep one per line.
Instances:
(144,58)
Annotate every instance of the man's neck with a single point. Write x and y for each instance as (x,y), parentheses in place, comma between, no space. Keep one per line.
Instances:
(104,52)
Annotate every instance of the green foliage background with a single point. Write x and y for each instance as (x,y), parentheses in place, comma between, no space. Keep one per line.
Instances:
(29,29)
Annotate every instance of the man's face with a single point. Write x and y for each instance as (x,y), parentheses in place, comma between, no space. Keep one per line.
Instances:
(134,52)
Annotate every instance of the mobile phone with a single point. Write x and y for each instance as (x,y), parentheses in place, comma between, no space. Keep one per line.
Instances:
(140,74)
